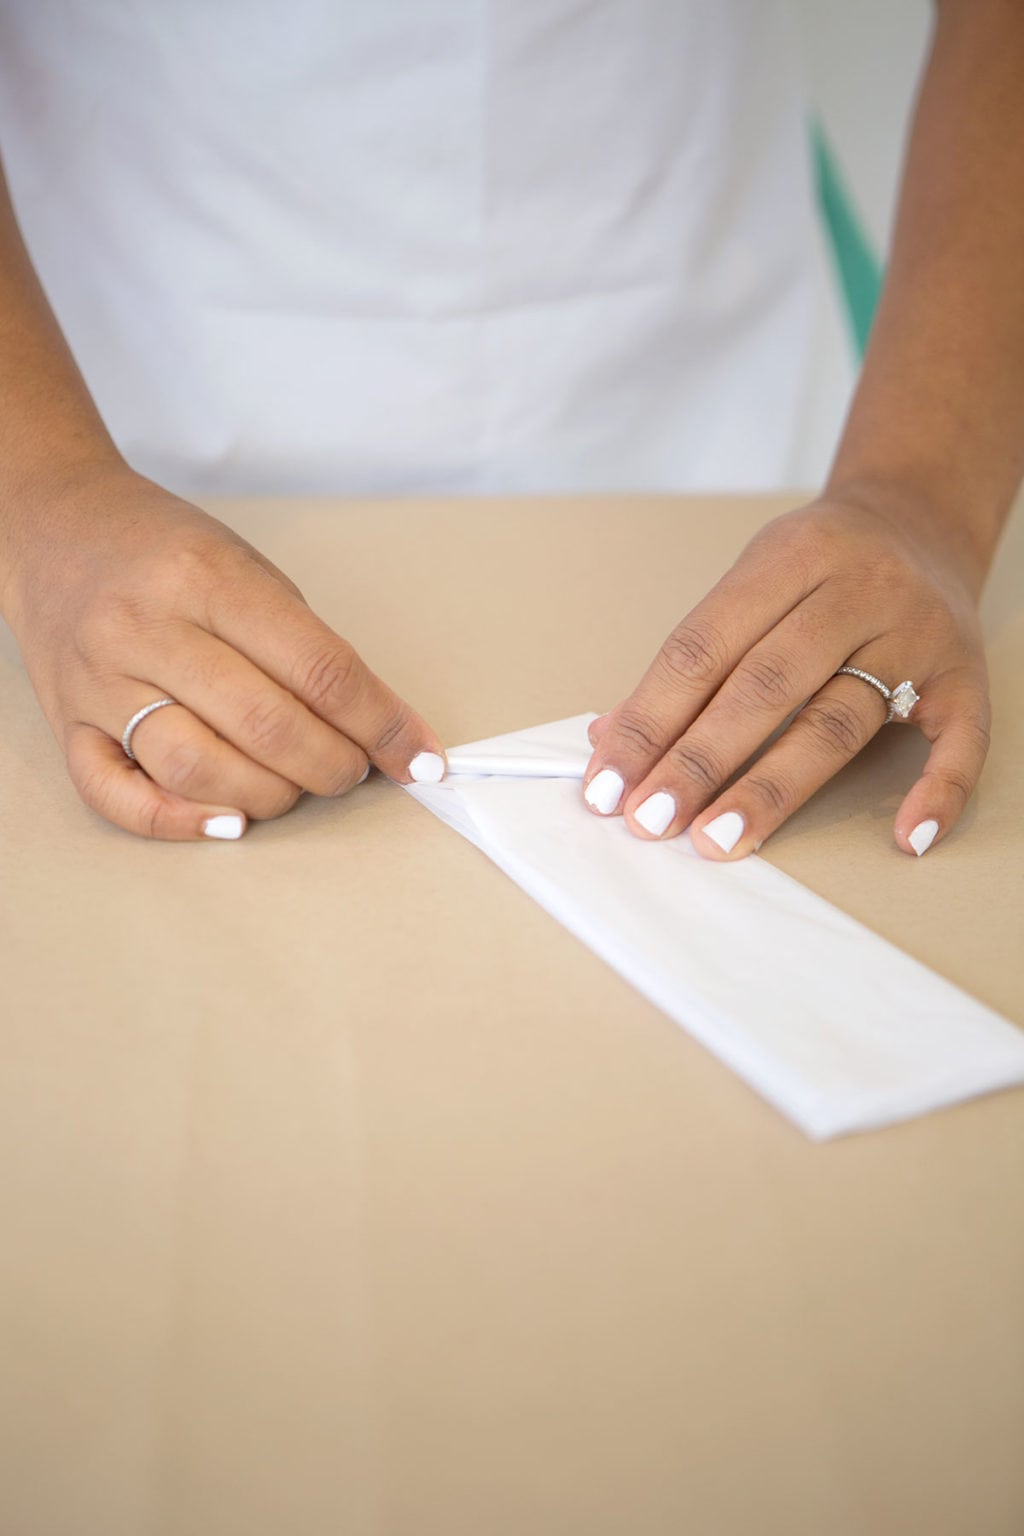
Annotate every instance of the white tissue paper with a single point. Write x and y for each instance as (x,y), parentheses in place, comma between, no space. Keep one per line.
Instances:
(833,1025)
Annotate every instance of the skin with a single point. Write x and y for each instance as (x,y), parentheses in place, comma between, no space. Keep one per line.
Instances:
(118,592)
(884,570)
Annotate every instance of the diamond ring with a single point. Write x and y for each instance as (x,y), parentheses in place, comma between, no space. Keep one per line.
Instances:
(899,700)
(136,719)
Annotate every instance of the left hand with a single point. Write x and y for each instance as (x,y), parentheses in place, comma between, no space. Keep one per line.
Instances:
(865,583)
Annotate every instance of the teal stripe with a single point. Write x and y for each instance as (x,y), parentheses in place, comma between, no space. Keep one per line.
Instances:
(858,268)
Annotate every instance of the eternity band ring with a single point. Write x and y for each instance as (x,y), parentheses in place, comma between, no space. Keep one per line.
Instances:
(136,719)
(899,700)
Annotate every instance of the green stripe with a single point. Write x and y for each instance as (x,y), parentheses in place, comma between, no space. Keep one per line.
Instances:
(858,268)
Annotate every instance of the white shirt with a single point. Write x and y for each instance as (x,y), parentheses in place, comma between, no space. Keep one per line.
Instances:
(423,245)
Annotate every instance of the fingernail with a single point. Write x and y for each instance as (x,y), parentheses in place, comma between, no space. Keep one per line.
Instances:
(656,812)
(726,830)
(604,791)
(364,775)
(923,836)
(427,768)
(227,827)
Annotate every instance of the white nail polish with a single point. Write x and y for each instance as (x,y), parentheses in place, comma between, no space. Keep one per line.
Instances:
(923,836)
(726,830)
(604,791)
(228,827)
(656,812)
(427,768)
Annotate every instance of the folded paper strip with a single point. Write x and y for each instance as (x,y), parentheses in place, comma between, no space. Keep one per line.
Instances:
(836,1027)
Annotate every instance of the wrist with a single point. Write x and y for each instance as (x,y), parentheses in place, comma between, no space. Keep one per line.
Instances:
(942,523)
(38,506)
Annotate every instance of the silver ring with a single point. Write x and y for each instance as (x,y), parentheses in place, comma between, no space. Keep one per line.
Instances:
(899,700)
(136,719)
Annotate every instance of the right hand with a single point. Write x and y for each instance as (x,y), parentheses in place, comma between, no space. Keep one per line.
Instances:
(120,594)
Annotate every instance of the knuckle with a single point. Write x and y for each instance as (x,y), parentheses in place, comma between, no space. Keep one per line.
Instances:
(91,784)
(90,775)
(804,546)
(188,565)
(272,803)
(957,780)
(978,730)
(811,549)
(697,764)
(394,726)
(328,680)
(267,727)
(184,769)
(639,730)
(763,681)
(874,579)
(773,791)
(338,780)
(835,726)
(692,653)
(156,819)
(107,622)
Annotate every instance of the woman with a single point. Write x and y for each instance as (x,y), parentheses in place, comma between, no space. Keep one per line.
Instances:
(474,246)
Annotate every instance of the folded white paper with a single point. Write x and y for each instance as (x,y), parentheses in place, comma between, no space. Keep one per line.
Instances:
(836,1027)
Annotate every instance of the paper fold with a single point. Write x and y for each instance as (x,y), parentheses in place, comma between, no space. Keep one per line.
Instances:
(833,1025)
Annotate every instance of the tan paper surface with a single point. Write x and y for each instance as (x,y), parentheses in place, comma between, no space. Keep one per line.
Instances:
(343,1190)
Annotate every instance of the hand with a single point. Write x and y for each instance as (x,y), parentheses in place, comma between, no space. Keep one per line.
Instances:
(128,594)
(871,584)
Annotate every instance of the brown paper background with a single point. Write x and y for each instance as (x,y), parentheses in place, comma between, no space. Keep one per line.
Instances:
(343,1191)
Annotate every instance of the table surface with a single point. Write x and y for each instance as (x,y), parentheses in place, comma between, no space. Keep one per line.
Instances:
(344,1191)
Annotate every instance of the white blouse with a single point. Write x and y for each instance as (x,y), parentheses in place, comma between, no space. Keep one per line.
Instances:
(424,245)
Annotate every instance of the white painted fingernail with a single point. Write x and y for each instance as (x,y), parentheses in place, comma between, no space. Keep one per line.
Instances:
(726,830)
(427,768)
(224,826)
(923,836)
(604,791)
(656,812)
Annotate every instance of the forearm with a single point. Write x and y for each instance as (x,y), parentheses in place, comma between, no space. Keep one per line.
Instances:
(939,412)
(49,426)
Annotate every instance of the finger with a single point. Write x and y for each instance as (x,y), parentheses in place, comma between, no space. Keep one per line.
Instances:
(960,742)
(265,722)
(290,644)
(767,685)
(690,667)
(182,754)
(832,728)
(118,790)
